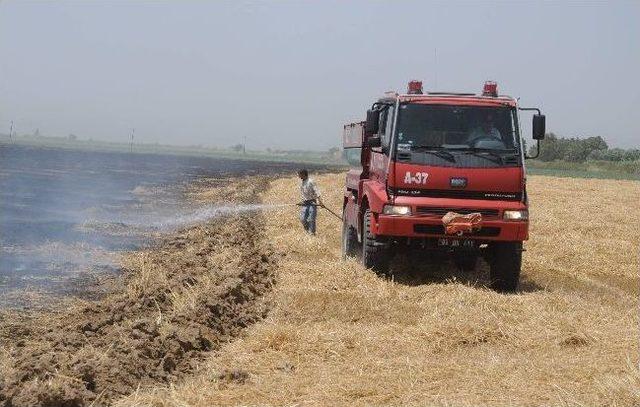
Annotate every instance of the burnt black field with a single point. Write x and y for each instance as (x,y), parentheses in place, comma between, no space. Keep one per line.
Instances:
(64,214)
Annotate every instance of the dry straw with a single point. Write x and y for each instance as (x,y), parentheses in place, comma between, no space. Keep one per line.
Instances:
(339,335)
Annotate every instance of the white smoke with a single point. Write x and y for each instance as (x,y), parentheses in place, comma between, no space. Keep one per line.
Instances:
(207,213)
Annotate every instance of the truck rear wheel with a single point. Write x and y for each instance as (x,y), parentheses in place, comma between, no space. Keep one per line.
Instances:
(349,239)
(505,263)
(375,253)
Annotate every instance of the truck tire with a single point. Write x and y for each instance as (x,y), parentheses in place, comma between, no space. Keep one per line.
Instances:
(375,253)
(505,265)
(466,262)
(349,239)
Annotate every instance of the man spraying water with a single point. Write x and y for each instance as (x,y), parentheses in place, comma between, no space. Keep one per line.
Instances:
(310,201)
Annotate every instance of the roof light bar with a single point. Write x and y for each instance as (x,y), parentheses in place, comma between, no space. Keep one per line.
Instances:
(414,88)
(490,89)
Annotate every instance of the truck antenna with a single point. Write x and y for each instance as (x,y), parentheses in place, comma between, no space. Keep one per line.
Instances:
(435,69)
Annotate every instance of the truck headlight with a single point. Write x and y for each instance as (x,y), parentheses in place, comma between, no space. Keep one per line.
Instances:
(516,215)
(396,210)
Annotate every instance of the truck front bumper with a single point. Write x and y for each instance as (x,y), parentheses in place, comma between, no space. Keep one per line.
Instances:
(425,226)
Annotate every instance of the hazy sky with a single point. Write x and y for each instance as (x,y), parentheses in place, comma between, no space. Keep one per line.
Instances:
(288,74)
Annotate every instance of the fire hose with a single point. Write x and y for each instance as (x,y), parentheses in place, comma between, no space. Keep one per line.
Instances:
(321,206)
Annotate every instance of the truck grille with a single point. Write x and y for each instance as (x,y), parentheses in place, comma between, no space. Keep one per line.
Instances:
(488,231)
(457,193)
(441,211)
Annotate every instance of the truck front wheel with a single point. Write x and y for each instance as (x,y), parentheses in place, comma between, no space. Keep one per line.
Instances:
(349,239)
(505,263)
(375,253)
(466,262)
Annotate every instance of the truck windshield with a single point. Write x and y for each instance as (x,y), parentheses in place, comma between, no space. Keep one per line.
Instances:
(445,127)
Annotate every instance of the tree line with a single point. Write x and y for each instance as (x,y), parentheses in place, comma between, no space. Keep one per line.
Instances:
(576,149)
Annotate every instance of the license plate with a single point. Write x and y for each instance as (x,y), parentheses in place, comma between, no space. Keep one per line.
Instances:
(456,242)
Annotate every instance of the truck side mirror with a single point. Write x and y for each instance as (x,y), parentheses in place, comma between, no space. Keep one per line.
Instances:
(538,126)
(374,142)
(371,125)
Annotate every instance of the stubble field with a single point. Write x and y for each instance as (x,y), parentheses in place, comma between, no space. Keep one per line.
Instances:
(337,334)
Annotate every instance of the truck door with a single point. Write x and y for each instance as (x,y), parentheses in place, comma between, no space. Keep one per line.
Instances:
(380,155)
(387,143)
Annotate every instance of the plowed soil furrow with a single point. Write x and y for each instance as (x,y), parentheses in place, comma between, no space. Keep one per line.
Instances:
(196,290)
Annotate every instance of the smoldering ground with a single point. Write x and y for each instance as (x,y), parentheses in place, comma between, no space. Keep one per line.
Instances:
(66,216)
(200,280)
(195,289)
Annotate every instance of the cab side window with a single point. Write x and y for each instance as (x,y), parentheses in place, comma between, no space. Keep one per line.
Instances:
(386,122)
(353,157)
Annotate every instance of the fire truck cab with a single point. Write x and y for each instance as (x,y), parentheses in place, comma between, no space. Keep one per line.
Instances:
(419,156)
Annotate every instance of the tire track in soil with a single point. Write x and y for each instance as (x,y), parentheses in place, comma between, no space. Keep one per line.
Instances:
(196,290)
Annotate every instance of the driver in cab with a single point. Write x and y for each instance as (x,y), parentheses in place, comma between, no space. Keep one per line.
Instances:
(486,134)
(485,131)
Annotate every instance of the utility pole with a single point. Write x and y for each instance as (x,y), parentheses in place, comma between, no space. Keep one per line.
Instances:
(244,146)
(11,132)
(133,131)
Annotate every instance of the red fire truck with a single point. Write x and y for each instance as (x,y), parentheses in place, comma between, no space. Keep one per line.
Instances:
(420,156)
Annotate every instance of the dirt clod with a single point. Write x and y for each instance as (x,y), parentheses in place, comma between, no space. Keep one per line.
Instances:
(233,376)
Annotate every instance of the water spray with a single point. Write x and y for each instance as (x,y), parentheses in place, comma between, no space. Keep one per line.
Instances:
(204,214)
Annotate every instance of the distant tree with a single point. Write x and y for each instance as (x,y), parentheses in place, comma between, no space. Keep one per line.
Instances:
(73,137)
(237,147)
(595,143)
(631,154)
(598,155)
(550,148)
(572,149)
(36,133)
(576,150)
(613,154)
